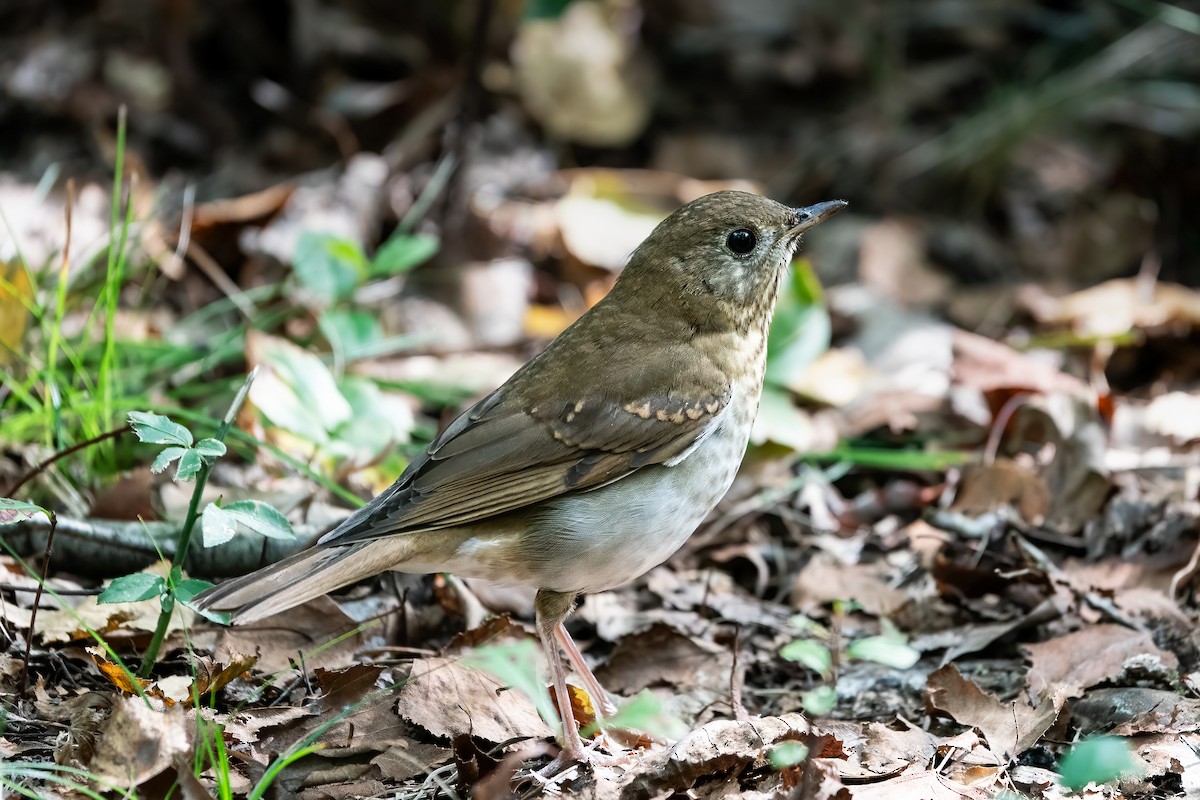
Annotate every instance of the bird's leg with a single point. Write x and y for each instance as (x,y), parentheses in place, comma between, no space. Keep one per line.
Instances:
(552,608)
(599,696)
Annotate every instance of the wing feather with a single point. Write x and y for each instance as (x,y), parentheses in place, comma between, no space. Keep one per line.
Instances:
(503,455)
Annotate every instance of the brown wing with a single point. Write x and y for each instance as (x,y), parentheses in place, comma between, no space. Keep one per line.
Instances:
(498,457)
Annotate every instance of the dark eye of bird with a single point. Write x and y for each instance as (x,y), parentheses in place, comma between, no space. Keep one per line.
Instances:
(741,241)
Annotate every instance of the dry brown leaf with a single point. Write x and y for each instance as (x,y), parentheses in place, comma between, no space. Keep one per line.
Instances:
(448,699)
(140,742)
(892,261)
(991,366)
(246,724)
(118,675)
(714,751)
(889,751)
(825,579)
(582,76)
(1056,665)
(215,676)
(404,759)
(299,635)
(989,487)
(1009,728)
(1170,753)
(661,656)
(1119,306)
(925,785)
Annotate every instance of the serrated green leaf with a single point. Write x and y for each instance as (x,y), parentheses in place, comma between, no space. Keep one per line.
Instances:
(808,653)
(516,665)
(788,754)
(165,457)
(14,511)
(189,465)
(132,588)
(216,526)
(401,253)
(154,428)
(1100,760)
(819,701)
(210,448)
(261,518)
(187,589)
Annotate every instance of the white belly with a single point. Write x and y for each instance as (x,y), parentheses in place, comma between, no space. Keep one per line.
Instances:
(605,538)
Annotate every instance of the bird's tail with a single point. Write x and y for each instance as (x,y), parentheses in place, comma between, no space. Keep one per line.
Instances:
(295,580)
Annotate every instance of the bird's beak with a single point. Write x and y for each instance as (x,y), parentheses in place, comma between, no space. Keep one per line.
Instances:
(810,216)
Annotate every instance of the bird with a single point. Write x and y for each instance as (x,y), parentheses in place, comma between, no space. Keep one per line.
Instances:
(598,458)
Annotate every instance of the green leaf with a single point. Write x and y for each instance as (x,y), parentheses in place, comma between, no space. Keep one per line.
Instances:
(189,465)
(800,329)
(210,448)
(165,457)
(545,9)
(216,526)
(261,518)
(132,588)
(1101,760)
(401,253)
(781,421)
(515,665)
(350,332)
(186,590)
(890,648)
(642,713)
(156,429)
(808,653)
(819,701)
(378,422)
(328,266)
(787,754)
(14,511)
(299,393)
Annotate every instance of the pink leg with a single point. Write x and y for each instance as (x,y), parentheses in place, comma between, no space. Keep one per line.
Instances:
(552,608)
(605,706)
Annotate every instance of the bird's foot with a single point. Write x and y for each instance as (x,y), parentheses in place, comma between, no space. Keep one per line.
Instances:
(571,759)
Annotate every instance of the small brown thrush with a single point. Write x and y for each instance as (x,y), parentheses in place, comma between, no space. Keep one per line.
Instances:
(598,458)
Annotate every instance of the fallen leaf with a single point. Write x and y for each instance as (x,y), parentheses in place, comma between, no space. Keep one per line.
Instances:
(661,656)
(448,699)
(140,742)
(1135,710)
(1056,665)
(1119,306)
(926,785)
(825,580)
(311,633)
(1009,728)
(582,76)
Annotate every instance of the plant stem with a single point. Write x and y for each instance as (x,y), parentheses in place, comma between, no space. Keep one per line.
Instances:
(185,534)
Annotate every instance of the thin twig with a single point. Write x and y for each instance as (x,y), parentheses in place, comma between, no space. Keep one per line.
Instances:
(737,677)
(37,602)
(33,473)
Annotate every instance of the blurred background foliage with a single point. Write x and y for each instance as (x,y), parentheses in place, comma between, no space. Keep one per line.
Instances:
(431,190)
(1047,138)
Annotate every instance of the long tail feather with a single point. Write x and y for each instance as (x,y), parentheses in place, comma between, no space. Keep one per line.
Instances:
(298,579)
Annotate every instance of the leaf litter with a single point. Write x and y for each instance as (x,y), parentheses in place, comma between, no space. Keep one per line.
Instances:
(1045,580)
